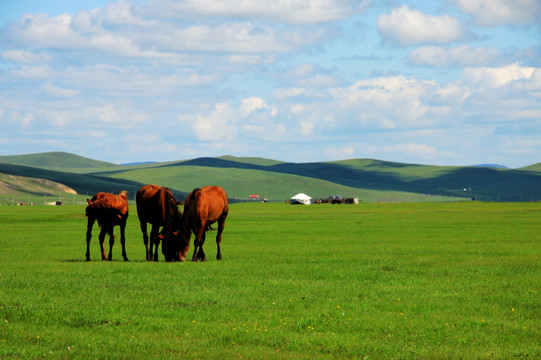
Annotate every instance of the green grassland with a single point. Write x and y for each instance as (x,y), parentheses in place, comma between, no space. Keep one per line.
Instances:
(455,280)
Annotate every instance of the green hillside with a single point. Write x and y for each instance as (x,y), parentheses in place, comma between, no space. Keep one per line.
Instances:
(369,180)
(240,183)
(486,184)
(534,167)
(86,185)
(55,161)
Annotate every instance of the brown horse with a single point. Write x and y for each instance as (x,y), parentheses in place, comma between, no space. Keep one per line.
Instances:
(110,210)
(202,208)
(157,205)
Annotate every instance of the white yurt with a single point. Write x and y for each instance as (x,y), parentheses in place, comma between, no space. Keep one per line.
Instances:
(302,199)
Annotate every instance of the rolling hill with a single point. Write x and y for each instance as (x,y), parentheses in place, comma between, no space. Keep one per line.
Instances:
(367,179)
(61,161)
(534,167)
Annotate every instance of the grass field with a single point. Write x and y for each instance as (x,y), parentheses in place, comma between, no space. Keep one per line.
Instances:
(371,281)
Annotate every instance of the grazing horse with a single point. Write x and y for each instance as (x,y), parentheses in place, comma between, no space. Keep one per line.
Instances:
(202,208)
(110,210)
(157,205)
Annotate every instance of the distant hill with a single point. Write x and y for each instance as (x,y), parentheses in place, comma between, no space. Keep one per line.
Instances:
(54,161)
(16,188)
(84,184)
(492,166)
(534,167)
(368,179)
(139,163)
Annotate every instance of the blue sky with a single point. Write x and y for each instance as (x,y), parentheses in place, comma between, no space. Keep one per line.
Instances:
(450,82)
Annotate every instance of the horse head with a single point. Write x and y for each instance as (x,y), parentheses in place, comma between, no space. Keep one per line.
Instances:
(174,248)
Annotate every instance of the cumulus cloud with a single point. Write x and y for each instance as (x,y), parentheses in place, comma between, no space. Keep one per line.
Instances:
(254,103)
(284,11)
(500,12)
(460,56)
(224,122)
(371,99)
(405,27)
(494,77)
(118,31)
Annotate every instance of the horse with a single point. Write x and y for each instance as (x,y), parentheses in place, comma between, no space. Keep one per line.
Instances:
(157,205)
(202,208)
(110,210)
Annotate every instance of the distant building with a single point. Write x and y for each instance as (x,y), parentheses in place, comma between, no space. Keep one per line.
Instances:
(301,199)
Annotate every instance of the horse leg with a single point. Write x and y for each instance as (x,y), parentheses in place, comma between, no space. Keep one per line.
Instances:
(102,240)
(221,225)
(154,241)
(201,254)
(145,239)
(198,242)
(89,226)
(123,240)
(111,241)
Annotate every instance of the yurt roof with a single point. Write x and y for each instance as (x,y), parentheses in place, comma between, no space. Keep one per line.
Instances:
(301,196)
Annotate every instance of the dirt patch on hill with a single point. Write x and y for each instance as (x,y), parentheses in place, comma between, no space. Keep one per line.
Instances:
(12,183)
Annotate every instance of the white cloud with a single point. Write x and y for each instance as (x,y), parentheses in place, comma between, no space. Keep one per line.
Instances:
(131,36)
(132,79)
(318,81)
(252,104)
(284,11)
(459,56)
(306,128)
(28,120)
(405,27)
(417,150)
(238,38)
(339,153)
(224,122)
(287,93)
(62,32)
(500,12)
(369,101)
(57,91)
(33,72)
(218,124)
(25,57)
(487,77)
